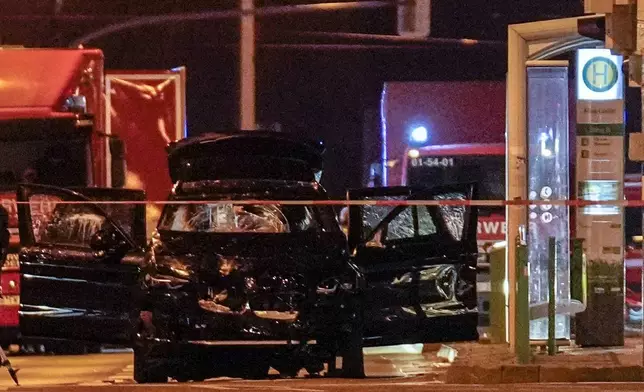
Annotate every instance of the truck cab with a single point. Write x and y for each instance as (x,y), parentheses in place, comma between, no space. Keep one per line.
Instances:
(65,121)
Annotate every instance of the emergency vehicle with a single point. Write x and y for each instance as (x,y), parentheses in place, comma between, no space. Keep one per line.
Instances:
(65,121)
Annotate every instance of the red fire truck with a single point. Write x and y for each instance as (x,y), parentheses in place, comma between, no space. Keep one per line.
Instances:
(66,122)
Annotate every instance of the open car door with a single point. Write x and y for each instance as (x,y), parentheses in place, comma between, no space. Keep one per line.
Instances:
(418,263)
(79,262)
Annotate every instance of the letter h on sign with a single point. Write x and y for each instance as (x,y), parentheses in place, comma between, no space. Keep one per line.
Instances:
(597,72)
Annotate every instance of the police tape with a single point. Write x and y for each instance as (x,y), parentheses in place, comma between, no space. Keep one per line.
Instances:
(342,202)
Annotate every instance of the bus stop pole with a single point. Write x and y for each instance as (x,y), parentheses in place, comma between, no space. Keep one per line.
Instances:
(577,273)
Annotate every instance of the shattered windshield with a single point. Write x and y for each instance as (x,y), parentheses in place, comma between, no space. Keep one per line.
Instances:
(64,224)
(237,218)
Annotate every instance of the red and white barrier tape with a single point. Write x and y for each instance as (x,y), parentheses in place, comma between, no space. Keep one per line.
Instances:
(392,203)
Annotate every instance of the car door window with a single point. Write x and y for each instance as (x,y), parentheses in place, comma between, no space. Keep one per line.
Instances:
(374,224)
(453,216)
(124,215)
(372,215)
(426,224)
(55,222)
(409,224)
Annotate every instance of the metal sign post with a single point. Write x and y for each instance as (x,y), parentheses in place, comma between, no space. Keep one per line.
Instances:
(600,177)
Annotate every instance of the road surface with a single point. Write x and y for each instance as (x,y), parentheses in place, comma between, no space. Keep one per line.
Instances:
(116,368)
(406,372)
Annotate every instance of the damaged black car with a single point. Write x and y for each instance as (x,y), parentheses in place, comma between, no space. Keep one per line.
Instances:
(248,268)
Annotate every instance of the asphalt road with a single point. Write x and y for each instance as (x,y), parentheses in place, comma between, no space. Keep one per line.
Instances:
(116,368)
(65,370)
(386,371)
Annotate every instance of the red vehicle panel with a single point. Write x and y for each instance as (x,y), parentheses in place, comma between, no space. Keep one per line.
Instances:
(452,112)
(146,111)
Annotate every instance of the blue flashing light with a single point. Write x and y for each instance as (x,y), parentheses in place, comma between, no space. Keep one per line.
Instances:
(419,135)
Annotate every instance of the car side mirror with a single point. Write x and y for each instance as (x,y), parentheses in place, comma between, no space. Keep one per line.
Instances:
(108,241)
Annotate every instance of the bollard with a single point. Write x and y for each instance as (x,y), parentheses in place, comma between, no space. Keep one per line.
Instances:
(552,252)
(522,314)
(577,271)
(497,295)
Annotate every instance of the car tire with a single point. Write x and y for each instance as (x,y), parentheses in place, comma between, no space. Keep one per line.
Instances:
(144,371)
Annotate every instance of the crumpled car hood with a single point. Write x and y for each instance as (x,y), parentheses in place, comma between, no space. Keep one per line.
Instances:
(258,272)
(208,256)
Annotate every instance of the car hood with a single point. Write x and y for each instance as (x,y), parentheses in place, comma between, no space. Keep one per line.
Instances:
(244,155)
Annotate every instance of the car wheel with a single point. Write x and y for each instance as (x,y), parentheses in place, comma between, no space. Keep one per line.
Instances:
(146,372)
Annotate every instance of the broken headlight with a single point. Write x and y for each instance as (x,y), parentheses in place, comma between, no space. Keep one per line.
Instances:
(170,282)
(169,271)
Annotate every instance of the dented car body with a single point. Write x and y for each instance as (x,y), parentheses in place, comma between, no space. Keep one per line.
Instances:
(248,268)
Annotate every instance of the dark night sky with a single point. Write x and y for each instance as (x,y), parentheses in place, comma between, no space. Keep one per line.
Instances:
(316,93)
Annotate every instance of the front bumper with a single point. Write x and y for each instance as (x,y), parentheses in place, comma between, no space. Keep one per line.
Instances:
(247,327)
(251,342)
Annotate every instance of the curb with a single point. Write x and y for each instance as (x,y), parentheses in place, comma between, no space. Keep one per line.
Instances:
(521,374)
(115,388)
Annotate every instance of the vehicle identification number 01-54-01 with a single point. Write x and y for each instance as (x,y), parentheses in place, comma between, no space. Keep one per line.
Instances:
(432,162)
